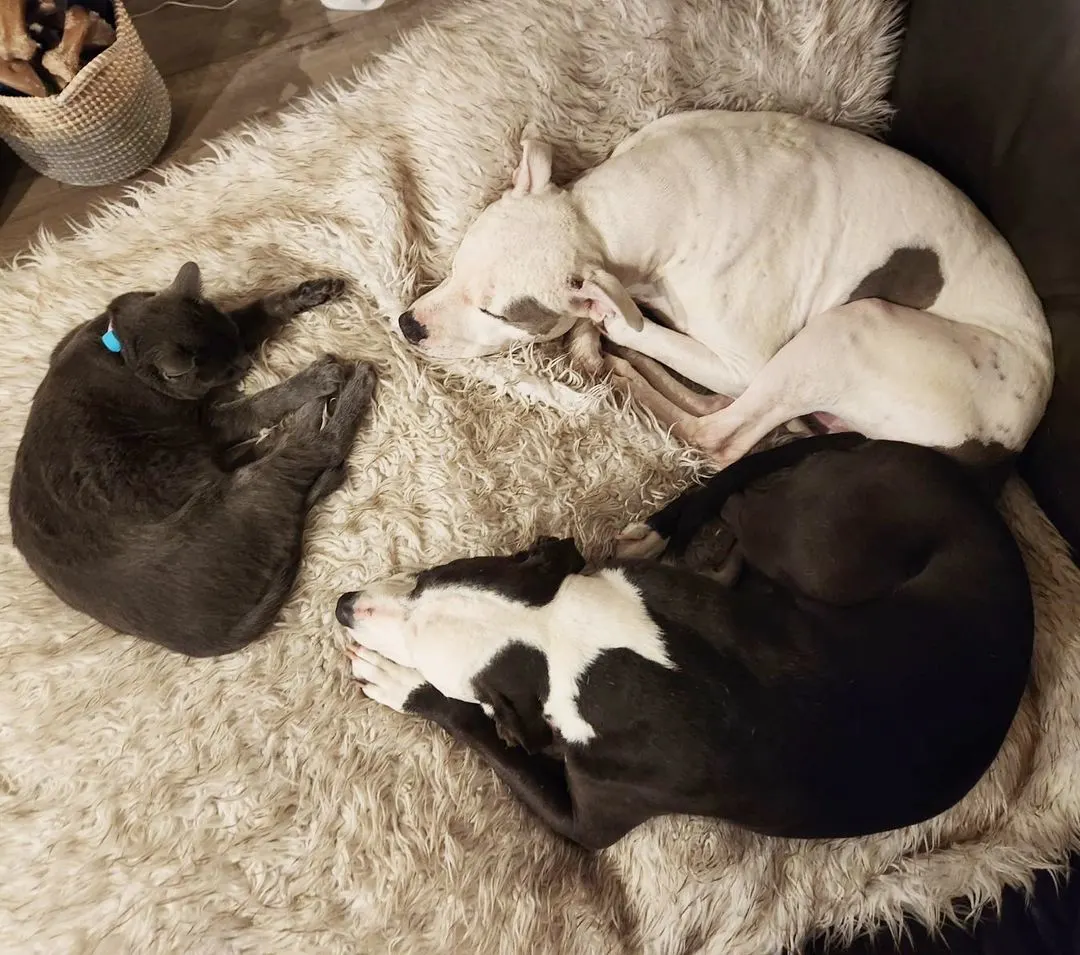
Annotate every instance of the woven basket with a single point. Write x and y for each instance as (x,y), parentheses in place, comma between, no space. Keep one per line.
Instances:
(108,124)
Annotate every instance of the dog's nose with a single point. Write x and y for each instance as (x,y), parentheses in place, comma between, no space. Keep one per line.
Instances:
(344,612)
(413,331)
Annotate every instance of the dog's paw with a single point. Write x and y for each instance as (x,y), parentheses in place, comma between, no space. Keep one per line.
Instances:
(639,542)
(618,330)
(383,680)
(315,292)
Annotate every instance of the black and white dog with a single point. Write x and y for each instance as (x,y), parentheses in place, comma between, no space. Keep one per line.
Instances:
(859,675)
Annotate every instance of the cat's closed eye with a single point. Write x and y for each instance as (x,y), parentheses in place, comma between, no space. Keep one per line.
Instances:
(175,364)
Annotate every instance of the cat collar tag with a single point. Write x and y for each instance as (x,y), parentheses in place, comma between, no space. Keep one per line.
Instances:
(110,341)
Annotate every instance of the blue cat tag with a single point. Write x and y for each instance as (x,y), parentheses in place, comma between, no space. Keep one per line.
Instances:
(110,341)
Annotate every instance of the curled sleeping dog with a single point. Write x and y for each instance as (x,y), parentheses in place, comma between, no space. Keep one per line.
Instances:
(803,270)
(860,674)
(141,494)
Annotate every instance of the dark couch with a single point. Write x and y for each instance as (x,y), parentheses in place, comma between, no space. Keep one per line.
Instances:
(988,92)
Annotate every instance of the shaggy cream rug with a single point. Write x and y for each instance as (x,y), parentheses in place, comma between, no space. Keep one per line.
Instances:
(257,803)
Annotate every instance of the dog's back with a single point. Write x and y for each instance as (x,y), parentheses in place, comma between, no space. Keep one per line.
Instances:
(865,669)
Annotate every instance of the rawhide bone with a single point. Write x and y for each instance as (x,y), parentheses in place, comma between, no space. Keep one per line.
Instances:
(17,49)
(82,29)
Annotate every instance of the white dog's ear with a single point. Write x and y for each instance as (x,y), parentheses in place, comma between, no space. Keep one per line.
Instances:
(603,298)
(534,170)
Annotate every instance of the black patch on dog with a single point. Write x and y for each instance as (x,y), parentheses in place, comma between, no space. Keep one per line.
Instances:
(515,685)
(530,316)
(548,563)
(910,276)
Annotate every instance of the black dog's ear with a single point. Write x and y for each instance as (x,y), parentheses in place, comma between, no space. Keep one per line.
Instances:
(548,563)
(557,555)
(515,684)
(518,723)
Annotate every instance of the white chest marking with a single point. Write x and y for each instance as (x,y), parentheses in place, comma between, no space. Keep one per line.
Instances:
(467,629)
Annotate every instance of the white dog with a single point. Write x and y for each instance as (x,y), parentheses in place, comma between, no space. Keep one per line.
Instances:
(803,269)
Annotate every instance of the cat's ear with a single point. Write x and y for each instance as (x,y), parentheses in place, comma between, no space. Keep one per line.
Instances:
(174,362)
(188,282)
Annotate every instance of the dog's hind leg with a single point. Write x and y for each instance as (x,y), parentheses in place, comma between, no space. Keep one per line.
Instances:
(888,372)
(661,380)
(671,530)
(667,413)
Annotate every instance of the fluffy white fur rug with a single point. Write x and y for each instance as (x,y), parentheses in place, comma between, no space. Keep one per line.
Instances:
(257,803)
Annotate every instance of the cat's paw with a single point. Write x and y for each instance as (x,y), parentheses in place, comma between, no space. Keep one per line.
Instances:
(316,292)
(356,394)
(327,375)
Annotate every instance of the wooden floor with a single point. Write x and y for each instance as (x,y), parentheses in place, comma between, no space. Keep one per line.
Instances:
(221,68)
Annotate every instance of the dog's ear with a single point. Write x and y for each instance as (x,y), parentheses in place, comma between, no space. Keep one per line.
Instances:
(541,569)
(518,725)
(534,170)
(555,555)
(513,687)
(188,282)
(603,299)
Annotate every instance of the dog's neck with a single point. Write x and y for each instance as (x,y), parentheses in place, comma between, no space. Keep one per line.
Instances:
(599,611)
(633,255)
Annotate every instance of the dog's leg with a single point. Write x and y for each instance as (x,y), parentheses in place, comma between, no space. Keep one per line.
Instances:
(671,530)
(726,374)
(667,413)
(261,320)
(583,347)
(888,372)
(541,782)
(668,387)
(244,418)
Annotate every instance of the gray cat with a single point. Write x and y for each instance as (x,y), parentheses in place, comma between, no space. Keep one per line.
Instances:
(141,493)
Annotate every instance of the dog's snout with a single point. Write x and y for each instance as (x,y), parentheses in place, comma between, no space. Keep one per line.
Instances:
(344,612)
(413,331)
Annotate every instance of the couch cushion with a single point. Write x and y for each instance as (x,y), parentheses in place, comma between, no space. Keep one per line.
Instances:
(988,92)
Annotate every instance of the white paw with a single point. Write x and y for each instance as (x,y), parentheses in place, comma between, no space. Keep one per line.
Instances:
(618,330)
(383,680)
(639,542)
